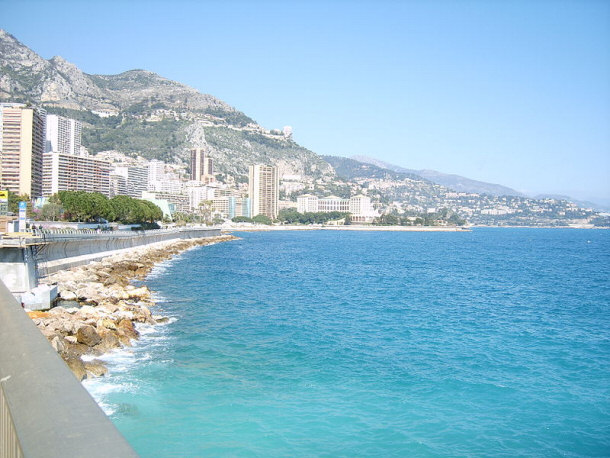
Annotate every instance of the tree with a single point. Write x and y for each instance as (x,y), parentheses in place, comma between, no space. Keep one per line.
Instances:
(241,219)
(289,215)
(50,212)
(262,219)
(84,206)
(14,199)
(205,210)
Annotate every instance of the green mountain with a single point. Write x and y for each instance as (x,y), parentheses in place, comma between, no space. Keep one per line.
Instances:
(141,113)
(351,169)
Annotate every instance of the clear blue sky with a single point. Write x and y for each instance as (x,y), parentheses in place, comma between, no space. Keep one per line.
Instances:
(511,92)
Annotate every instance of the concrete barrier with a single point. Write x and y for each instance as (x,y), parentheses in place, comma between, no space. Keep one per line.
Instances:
(50,252)
(72,245)
(44,410)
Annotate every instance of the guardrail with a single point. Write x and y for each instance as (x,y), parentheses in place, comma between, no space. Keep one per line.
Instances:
(44,410)
(85,233)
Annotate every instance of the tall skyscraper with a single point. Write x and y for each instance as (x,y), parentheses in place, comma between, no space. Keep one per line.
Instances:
(63,135)
(22,133)
(202,166)
(263,188)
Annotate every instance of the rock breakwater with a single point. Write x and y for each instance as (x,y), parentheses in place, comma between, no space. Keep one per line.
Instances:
(100,307)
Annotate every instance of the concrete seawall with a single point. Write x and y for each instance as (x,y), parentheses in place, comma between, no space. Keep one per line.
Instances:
(62,252)
(23,260)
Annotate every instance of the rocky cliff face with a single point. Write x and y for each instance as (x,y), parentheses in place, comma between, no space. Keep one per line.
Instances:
(149,115)
(29,77)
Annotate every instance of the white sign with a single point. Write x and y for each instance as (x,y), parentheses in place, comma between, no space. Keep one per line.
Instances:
(23,206)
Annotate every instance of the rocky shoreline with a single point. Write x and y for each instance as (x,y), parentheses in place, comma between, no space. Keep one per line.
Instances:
(99,307)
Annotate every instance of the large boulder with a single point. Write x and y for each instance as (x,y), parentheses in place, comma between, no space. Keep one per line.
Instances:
(142,315)
(77,367)
(105,323)
(139,293)
(68,295)
(109,341)
(126,328)
(117,292)
(58,344)
(87,335)
(96,368)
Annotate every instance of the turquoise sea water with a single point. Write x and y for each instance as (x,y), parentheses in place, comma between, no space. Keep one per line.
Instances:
(489,343)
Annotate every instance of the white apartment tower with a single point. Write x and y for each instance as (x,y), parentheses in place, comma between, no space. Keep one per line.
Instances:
(263,188)
(135,179)
(63,135)
(156,171)
(22,131)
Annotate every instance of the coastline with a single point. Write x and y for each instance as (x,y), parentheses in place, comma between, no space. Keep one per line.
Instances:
(99,307)
(348,228)
(263,228)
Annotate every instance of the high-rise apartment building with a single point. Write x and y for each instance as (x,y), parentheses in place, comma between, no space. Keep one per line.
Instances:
(263,189)
(239,206)
(22,131)
(156,171)
(68,172)
(118,185)
(136,180)
(202,166)
(63,135)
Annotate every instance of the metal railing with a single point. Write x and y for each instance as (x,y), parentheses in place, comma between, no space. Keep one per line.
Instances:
(44,410)
(51,234)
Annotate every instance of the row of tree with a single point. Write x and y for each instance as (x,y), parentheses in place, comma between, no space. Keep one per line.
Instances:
(94,207)
(91,207)
(442,217)
(259,219)
(291,216)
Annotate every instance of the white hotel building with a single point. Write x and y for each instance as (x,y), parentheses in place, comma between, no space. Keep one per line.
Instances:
(360,207)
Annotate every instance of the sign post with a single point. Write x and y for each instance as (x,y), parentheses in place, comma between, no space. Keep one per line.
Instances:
(3,203)
(23,206)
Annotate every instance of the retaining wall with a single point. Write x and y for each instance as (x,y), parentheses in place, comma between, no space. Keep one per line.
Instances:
(60,251)
(59,246)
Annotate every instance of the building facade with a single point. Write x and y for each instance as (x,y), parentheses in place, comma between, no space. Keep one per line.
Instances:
(263,190)
(202,166)
(359,207)
(63,135)
(136,180)
(67,172)
(333,204)
(118,185)
(307,203)
(22,133)
(179,201)
(156,171)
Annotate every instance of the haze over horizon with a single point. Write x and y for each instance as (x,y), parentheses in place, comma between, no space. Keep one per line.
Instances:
(514,93)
